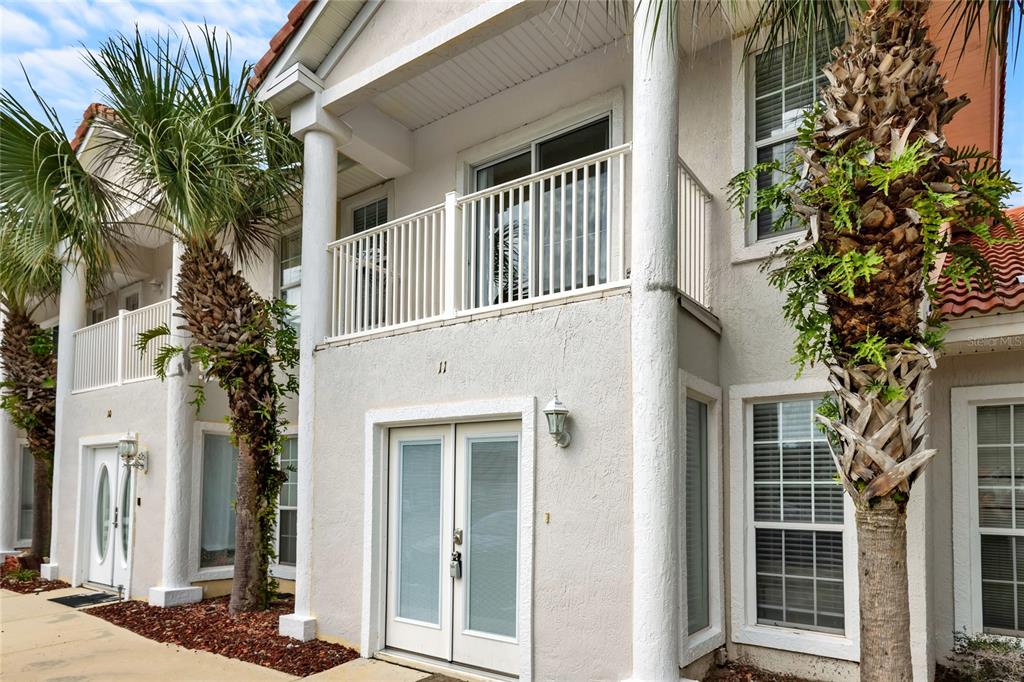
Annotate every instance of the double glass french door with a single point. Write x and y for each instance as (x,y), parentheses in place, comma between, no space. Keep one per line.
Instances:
(453,543)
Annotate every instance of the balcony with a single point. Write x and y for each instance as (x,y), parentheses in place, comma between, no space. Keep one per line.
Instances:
(105,353)
(551,235)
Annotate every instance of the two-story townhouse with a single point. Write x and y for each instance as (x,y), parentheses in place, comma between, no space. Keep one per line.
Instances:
(505,202)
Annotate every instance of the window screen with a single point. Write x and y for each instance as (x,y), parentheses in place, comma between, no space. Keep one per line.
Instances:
(786,84)
(27,492)
(370,216)
(1000,447)
(798,520)
(288,503)
(696,488)
(220,466)
(290,273)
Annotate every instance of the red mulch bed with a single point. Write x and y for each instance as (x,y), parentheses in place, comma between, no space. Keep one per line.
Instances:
(208,626)
(737,672)
(12,566)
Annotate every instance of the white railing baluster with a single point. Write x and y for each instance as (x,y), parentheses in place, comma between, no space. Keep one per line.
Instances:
(692,230)
(497,247)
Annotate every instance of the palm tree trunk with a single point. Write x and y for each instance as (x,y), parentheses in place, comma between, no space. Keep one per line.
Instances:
(247,586)
(42,491)
(227,318)
(884,600)
(29,396)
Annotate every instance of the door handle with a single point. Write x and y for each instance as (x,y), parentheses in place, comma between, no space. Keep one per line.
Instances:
(457,537)
(455,568)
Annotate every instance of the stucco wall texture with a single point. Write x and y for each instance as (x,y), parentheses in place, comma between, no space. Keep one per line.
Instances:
(582,572)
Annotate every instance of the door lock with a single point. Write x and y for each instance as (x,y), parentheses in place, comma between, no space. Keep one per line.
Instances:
(456,565)
(457,537)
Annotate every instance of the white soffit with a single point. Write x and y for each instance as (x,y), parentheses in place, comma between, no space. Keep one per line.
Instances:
(539,44)
(321,35)
(355,179)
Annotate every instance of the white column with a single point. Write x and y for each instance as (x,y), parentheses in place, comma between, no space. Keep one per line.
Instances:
(71,314)
(655,373)
(319,220)
(8,480)
(175,573)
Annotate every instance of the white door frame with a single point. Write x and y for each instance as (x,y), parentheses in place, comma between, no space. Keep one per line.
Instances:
(375,499)
(80,566)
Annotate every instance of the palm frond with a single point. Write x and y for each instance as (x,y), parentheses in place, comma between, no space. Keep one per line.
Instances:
(999,20)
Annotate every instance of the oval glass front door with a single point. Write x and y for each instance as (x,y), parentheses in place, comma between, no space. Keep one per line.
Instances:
(103,512)
(126,512)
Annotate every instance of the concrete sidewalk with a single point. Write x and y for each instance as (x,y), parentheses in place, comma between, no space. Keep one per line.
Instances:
(41,640)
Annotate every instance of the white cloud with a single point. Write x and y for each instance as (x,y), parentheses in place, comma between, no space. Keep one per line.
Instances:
(18,29)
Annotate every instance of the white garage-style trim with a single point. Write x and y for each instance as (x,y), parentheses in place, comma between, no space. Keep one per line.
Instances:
(377,424)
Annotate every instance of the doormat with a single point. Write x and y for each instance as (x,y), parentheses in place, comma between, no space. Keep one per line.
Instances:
(77,601)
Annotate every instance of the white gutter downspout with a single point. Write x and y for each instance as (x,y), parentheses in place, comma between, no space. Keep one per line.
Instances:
(655,365)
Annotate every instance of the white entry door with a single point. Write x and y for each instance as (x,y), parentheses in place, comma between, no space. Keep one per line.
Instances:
(110,519)
(453,543)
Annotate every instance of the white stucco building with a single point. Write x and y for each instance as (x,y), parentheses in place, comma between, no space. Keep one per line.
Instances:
(504,201)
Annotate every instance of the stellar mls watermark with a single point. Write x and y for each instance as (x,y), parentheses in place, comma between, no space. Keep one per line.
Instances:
(997,341)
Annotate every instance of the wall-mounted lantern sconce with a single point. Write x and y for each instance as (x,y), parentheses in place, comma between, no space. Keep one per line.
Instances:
(556,412)
(128,451)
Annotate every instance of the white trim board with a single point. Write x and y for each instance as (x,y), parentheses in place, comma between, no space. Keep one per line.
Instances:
(703,642)
(966,539)
(375,496)
(745,629)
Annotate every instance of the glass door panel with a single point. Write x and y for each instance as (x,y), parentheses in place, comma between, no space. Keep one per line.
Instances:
(486,597)
(419,528)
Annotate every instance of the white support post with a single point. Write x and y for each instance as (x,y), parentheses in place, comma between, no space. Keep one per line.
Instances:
(8,479)
(175,573)
(655,366)
(120,346)
(72,315)
(320,136)
(451,262)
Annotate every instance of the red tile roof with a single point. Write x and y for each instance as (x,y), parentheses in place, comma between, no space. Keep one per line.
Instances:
(295,18)
(1006,292)
(92,111)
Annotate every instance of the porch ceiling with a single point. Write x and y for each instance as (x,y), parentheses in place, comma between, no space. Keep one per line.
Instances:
(539,44)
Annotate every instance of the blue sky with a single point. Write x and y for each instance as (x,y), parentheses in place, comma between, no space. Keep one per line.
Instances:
(48,36)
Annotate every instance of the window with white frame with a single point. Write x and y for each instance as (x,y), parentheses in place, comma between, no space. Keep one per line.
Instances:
(369,216)
(786,82)
(288,503)
(1000,520)
(219,487)
(217,529)
(26,490)
(290,273)
(797,518)
(698,611)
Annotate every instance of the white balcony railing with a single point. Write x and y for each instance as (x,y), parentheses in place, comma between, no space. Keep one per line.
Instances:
(548,235)
(693,235)
(106,355)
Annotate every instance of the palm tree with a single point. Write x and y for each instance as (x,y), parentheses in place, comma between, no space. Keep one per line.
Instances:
(883,196)
(47,197)
(220,174)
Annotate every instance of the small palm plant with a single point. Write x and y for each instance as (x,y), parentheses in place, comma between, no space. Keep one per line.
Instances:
(47,197)
(882,195)
(220,173)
